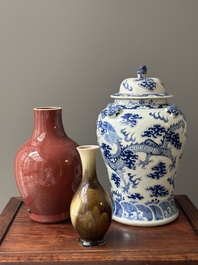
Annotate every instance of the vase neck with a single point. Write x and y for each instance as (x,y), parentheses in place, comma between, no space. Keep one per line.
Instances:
(48,120)
(88,159)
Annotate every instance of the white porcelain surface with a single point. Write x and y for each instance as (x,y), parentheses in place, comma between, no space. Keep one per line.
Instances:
(142,139)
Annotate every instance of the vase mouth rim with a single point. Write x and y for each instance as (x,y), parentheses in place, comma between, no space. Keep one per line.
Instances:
(87,147)
(48,108)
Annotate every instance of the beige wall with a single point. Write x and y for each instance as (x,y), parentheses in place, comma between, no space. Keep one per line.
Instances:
(75,53)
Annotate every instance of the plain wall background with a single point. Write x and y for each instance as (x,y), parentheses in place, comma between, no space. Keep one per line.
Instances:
(75,54)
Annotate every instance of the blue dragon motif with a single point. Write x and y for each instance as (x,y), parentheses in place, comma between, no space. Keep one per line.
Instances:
(134,153)
(127,156)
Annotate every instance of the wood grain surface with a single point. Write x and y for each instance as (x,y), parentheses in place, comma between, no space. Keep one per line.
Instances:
(23,241)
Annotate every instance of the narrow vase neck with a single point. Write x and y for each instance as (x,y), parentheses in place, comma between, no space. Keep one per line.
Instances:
(88,159)
(48,120)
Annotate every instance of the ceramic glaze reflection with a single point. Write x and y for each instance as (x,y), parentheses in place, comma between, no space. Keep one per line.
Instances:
(48,168)
(142,139)
(91,206)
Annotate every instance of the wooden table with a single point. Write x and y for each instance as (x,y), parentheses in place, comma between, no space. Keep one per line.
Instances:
(23,241)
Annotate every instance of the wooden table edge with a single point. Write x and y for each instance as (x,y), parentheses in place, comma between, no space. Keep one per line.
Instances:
(8,214)
(189,210)
(10,211)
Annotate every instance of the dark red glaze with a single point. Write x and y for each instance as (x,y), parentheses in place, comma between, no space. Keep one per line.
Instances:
(48,168)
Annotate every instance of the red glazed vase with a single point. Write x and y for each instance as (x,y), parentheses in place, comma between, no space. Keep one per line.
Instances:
(48,168)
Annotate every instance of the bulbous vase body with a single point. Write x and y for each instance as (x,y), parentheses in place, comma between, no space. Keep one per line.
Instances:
(48,168)
(142,139)
(90,210)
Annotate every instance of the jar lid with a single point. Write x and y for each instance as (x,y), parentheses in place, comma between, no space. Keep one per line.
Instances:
(141,87)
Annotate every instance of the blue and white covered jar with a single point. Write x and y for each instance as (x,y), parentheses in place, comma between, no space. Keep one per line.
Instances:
(142,139)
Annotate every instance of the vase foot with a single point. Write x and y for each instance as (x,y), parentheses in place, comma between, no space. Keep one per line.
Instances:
(91,243)
(146,223)
(49,218)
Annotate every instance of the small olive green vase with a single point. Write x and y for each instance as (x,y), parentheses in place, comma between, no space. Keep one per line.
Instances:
(90,209)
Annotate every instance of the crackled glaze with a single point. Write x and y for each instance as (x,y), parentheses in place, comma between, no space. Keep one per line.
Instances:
(48,168)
